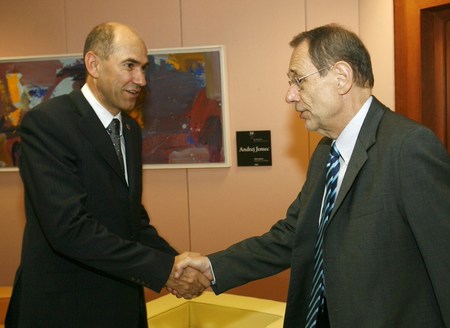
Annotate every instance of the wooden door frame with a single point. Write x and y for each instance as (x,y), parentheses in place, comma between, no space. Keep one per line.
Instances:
(435,62)
(408,67)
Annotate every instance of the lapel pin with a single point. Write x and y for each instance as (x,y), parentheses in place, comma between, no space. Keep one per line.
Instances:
(128,126)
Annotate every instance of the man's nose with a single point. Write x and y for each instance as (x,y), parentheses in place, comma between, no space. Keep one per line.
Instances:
(139,78)
(293,94)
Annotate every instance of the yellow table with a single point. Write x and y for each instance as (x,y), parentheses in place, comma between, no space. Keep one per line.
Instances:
(5,295)
(211,311)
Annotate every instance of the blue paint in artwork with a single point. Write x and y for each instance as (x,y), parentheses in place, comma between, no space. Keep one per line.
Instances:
(190,140)
(199,76)
(36,94)
(37,91)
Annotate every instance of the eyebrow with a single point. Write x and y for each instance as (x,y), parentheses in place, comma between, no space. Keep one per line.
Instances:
(292,72)
(135,61)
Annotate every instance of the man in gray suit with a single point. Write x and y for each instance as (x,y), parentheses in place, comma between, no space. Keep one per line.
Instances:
(374,250)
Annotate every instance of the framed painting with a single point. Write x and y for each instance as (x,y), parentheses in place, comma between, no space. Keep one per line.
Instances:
(183,110)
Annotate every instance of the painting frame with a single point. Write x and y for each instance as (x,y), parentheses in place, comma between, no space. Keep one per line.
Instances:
(183,113)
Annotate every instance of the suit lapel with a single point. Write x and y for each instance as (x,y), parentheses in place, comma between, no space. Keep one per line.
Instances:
(92,128)
(312,194)
(359,157)
(366,138)
(129,151)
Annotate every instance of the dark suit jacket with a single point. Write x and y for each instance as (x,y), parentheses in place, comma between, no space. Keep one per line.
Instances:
(88,247)
(387,244)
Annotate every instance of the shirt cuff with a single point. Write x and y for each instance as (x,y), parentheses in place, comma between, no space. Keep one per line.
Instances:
(213,281)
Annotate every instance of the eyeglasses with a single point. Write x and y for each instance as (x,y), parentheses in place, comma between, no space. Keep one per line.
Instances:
(298,80)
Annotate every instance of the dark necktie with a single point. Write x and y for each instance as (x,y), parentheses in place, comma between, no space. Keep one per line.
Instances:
(318,288)
(114,132)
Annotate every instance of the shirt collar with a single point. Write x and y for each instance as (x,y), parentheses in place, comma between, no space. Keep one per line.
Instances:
(347,139)
(103,114)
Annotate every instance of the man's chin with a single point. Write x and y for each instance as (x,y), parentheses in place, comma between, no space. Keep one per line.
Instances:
(309,126)
(128,108)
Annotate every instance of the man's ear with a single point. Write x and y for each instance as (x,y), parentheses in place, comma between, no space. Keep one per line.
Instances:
(344,75)
(92,62)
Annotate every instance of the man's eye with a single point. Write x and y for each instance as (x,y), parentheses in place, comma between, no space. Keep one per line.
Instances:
(129,65)
(299,81)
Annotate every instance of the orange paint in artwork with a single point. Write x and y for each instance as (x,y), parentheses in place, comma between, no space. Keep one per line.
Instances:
(183,62)
(13,80)
(15,117)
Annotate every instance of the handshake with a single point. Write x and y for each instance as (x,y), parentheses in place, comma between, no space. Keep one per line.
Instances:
(191,275)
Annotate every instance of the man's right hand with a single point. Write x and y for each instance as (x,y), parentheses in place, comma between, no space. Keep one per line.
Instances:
(189,277)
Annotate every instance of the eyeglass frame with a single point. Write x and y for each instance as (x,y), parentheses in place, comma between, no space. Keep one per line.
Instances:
(298,80)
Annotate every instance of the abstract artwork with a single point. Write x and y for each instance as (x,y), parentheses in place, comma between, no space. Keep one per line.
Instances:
(182,111)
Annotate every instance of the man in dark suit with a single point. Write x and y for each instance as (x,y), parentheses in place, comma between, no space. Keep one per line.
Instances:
(373,251)
(88,246)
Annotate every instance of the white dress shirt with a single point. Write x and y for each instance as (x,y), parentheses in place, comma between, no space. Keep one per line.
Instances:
(345,143)
(106,117)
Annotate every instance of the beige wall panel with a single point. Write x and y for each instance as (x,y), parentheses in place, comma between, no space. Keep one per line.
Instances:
(344,12)
(377,32)
(12,221)
(166,200)
(227,205)
(158,22)
(29,28)
(257,60)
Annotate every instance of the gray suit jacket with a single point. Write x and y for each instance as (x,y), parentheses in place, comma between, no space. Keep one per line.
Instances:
(88,247)
(387,244)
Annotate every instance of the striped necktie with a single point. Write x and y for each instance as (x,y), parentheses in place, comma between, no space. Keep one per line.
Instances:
(114,132)
(317,293)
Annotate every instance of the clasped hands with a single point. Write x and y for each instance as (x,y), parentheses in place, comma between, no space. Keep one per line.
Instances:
(191,275)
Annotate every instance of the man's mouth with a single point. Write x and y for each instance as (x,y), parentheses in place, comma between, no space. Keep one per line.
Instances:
(302,114)
(133,92)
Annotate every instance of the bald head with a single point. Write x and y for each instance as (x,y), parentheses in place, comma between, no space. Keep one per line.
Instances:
(103,38)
